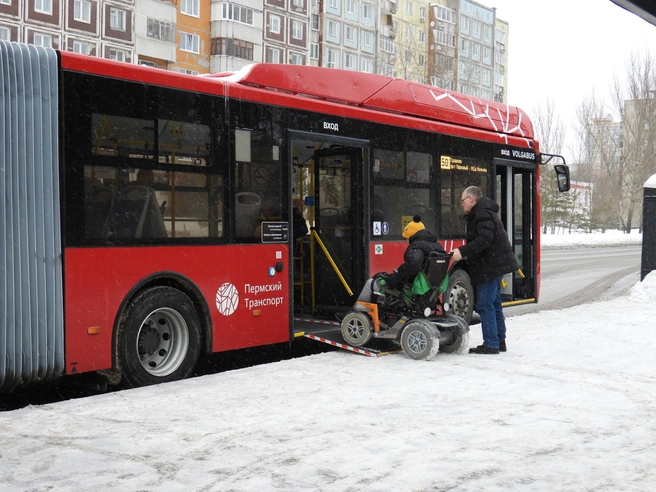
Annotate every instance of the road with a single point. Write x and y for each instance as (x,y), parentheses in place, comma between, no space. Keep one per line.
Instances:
(577,276)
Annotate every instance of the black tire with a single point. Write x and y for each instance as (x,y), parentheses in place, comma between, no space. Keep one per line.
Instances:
(460,295)
(159,338)
(459,343)
(420,340)
(357,328)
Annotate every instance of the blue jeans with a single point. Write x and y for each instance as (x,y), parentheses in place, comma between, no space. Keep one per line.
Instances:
(488,307)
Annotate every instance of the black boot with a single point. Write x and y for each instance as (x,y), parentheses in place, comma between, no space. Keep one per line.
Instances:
(502,346)
(482,349)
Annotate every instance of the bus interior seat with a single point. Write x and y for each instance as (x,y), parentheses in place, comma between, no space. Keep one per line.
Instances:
(247,207)
(245,226)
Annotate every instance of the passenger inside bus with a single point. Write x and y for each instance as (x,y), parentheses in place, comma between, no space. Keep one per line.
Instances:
(268,212)
(300,227)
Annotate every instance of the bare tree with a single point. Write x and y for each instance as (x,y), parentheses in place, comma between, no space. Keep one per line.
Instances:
(550,132)
(598,146)
(549,127)
(410,61)
(635,102)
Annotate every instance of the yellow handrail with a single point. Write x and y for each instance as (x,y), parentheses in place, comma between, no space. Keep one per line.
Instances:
(339,274)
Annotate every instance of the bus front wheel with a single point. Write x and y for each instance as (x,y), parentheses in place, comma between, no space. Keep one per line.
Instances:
(159,339)
(460,295)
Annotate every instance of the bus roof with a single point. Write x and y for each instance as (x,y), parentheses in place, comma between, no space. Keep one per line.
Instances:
(342,87)
(383,93)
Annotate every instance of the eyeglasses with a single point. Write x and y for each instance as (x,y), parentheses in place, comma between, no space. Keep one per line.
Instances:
(461,201)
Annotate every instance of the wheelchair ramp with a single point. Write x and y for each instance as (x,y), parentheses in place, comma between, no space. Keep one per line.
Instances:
(329,332)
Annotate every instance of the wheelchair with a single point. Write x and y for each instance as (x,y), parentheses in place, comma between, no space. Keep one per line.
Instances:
(411,315)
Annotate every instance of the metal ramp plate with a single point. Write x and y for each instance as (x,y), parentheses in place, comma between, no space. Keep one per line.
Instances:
(329,332)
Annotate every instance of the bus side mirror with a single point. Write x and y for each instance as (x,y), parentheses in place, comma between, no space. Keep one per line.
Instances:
(562,177)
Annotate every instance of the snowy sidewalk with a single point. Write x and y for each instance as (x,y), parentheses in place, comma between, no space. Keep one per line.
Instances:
(571,406)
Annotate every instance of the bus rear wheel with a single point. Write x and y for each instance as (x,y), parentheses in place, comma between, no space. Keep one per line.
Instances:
(159,339)
(460,295)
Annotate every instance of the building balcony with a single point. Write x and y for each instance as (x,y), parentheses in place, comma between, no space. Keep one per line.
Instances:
(156,48)
(389,7)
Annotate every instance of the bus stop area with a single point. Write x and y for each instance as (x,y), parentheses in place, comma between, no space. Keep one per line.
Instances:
(546,415)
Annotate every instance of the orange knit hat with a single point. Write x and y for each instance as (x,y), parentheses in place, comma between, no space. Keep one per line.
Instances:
(413,227)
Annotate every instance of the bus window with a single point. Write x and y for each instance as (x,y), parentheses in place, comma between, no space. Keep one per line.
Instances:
(457,173)
(183,143)
(402,187)
(122,136)
(148,204)
(191,203)
(257,185)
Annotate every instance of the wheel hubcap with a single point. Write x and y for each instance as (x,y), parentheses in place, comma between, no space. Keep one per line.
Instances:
(355,329)
(417,342)
(162,342)
(459,300)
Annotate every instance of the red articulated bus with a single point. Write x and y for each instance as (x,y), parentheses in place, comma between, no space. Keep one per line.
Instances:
(147,215)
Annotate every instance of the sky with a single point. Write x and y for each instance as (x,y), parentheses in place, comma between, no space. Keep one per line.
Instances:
(571,406)
(565,49)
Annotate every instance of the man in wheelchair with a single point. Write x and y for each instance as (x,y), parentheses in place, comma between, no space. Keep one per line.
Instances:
(406,305)
(417,283)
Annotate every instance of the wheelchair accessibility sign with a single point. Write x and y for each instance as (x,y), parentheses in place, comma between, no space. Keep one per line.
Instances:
(380,228)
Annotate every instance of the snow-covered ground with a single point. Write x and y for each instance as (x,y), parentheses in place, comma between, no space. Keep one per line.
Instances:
(593,240)
(571,406)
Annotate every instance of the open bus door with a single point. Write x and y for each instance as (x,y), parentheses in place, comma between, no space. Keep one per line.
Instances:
(329,264)
(515,193)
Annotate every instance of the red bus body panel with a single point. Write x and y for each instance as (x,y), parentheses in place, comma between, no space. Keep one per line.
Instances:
(99,279)
(353,87)
(387,94)
(386,256)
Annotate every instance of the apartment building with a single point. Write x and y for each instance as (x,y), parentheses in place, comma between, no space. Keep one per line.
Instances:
(455,44)
(236,34)
(156,33)
(500,60)
(347,35)
(315,33)
(193,26)
(386,34)
(286,31)
(442,45)
(476,29)
(92,27)
(410,25)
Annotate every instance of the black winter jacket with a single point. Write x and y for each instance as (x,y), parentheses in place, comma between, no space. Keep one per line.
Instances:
(488,251)
(420,245)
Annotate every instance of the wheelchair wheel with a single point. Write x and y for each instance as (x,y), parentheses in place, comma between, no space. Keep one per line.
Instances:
(357,329)
(460,342)
(420,340)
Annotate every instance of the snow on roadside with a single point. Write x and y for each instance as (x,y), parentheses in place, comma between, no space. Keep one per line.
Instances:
(593,240)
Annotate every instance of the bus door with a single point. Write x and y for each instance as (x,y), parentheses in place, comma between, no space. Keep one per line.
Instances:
(329,264)
(515,193)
